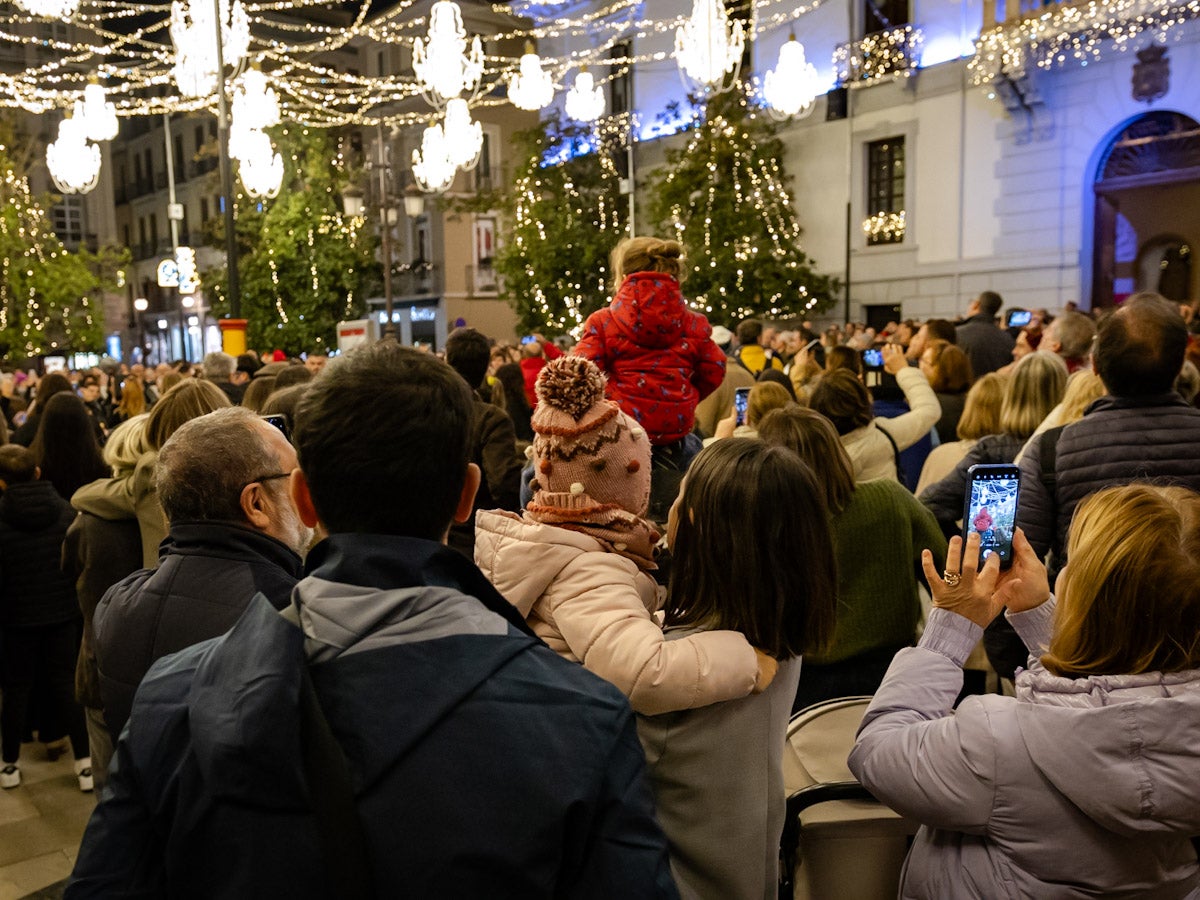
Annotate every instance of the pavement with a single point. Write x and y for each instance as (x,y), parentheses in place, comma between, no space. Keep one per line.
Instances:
(41,823)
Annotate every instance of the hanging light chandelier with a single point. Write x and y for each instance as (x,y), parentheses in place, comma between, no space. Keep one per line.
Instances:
(49,9)
(464,137)
(532,87)
(193,34)
(791,88)
(432,166)
(442,64)
(708,48)
(260,167)
(585,99)
(99,117)
(254,101)
(74,164)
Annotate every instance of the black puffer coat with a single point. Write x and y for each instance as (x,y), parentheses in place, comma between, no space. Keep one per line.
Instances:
(33,588)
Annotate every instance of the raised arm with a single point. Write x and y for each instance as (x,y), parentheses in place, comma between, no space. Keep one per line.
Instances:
(924,408)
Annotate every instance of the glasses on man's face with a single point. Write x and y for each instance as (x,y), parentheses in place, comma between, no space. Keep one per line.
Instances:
(262,478)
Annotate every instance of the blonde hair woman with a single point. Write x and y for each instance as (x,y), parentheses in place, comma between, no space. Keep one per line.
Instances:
(1083,785)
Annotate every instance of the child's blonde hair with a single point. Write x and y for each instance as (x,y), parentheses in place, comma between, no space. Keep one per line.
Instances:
(646,254)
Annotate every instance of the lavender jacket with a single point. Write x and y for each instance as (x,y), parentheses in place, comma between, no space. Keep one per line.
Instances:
(1075,788)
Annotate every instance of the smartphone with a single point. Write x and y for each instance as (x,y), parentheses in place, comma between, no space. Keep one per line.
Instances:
(991,509)
(280,421)
(528,339)
(741,401)
(1018,318)
(873,358)
(807,346)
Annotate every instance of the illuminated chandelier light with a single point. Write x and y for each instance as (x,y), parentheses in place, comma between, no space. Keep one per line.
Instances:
(531,88)
(50,9)
(260,167)
(791,88)
(585,99)
(708,48)
(193,34)
(74,164)
(432,166)
(254,101)
(464,138)
(99,117)
(443,67)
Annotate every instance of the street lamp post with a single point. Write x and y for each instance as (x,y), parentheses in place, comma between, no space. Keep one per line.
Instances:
(353,200)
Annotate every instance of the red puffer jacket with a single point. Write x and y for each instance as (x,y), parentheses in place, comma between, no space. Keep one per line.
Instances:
(659,355)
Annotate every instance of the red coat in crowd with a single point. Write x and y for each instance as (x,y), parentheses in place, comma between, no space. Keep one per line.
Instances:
(532,365)
(659,355)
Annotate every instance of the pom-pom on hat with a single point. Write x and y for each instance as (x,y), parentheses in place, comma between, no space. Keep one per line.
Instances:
(591,461)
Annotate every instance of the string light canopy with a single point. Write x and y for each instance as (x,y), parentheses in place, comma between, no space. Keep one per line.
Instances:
(74,163)
(531,87)
(708,48)
(585,99)
(443,65)
(791,88)
(193,33)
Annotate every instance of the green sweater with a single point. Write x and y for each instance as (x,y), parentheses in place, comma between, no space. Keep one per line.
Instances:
(878,538)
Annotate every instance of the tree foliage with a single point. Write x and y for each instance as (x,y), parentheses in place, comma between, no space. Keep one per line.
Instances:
(303,265)
(725,196)
(561,218)
(49,296)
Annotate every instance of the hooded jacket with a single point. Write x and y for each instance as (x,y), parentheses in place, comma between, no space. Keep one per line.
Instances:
(33,589)
(131,495)
(596,607)
(482,764)
(1075,788)
(659,355)
(207,575)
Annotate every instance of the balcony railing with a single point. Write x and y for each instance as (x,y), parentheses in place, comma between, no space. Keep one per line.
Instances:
(884,54)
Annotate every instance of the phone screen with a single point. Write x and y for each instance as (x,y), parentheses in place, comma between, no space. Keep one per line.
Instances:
(873,359)
(991,510)
(280,421)
(741,400)
(528,339)
(1019,318)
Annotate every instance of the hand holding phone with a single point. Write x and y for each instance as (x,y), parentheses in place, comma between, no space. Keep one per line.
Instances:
(894,360)
(991,509)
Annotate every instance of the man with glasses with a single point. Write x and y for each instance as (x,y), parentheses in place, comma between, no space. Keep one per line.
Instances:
(234,532)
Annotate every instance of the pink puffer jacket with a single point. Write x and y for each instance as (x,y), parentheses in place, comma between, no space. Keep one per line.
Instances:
(595,607)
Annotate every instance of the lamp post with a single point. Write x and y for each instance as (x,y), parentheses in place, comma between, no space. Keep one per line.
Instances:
(354,204)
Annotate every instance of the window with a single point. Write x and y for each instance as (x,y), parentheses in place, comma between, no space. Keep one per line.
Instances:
(204,200)
(885,191)
(483,169)
(884,15)
(149,159)
(619,86)
(67,216)
(180,172)
(153,234)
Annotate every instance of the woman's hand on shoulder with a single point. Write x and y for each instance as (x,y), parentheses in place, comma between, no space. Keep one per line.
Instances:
(1025,585)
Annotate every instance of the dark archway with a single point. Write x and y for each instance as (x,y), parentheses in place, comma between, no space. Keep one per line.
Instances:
(1147,207)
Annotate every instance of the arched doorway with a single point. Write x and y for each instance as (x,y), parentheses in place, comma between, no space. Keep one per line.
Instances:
(1147,224)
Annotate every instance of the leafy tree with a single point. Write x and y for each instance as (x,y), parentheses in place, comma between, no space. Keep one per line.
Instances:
(562,216)
(303,265)
(49,296)
(725,197)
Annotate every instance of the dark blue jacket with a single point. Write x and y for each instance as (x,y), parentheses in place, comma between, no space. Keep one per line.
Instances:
(483,764)
(207,574)
(33,588)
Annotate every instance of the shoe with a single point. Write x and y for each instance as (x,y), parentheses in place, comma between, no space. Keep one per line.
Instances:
(10,776)
(83,771)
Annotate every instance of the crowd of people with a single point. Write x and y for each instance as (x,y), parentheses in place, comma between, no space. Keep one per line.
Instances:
(530,619)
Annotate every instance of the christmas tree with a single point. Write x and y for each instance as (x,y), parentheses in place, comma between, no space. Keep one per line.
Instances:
(49,296)
(725,197)
(303,265)
(563,216)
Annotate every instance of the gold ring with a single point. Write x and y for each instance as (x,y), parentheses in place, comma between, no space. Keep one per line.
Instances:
(951,578)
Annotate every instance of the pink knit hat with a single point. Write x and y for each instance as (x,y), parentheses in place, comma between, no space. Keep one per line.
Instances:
(591,461)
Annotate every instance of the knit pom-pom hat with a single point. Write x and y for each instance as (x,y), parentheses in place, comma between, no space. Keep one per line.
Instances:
(591,461)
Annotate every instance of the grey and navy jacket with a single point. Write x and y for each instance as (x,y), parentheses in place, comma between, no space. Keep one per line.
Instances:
(482,764)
